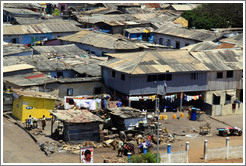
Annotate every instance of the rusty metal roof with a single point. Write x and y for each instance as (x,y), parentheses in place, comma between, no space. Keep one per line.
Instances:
(76,116)
(40,28)
(238,39)
(101,40)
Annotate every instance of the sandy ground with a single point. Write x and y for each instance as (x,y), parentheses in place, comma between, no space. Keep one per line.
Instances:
(20,148)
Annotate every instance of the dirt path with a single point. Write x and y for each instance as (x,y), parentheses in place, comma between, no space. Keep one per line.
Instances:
(18,147)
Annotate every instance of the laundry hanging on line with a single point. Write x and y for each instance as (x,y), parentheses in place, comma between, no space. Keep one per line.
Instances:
(189,98)
(170,97)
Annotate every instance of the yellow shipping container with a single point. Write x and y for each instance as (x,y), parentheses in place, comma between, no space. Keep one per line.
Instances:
(23,106)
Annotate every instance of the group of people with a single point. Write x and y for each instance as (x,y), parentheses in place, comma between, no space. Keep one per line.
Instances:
(32,121)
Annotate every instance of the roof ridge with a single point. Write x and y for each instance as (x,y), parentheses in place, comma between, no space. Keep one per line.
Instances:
(139,61)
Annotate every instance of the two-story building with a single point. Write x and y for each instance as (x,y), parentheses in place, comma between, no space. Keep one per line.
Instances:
(185,74)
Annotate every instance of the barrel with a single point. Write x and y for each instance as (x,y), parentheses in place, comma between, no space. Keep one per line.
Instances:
(193,114)
(182,115)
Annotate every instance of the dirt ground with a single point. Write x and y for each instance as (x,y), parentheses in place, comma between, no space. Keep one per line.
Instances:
(20,148)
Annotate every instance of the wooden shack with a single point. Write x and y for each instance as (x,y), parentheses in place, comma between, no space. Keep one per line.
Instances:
(78,125)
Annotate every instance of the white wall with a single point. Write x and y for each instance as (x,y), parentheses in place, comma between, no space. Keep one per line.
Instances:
(173,40)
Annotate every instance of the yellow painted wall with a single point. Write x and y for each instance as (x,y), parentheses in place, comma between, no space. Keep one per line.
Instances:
(17,108)
(40,107)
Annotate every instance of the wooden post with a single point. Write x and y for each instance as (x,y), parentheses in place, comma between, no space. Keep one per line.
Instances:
(181,101)
(52,123)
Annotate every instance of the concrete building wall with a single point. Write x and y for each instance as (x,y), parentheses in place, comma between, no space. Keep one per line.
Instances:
(183,42)
(225,107)
(82,88)
(235,152)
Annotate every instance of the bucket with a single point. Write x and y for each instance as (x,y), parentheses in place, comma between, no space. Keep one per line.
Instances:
(144,150)
(182,115)
(161,117)
(174,116)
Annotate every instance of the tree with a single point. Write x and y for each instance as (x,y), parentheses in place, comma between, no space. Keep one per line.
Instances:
(215,15)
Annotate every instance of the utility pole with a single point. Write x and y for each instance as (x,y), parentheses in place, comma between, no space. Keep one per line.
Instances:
(157,109)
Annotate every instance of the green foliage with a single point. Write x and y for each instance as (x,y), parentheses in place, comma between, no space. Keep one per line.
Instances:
(56,12)
(210,15)
(149,157)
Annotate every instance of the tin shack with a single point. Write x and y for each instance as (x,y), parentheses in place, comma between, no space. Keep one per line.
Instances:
(78,125)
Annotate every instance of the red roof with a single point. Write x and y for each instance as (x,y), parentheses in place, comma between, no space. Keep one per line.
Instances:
(35,76)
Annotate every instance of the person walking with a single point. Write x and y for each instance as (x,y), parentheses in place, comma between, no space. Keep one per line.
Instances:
(30,122)
(43,122)
(120,148)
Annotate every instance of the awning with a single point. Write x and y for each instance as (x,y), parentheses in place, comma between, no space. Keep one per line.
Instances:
(217,93)
(231,93)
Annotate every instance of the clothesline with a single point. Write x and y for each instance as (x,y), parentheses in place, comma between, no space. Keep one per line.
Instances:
(189,98)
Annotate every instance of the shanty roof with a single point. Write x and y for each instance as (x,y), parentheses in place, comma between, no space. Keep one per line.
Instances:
(157,61)
(102,18)
(20,11)
(152,5)
(39,28)
(70,49)
(102,10)
(221,60)
(36,94)
(30,79)
(140,30)
(185,7)
(22,5)
(101,40)
(32,20)
(13,49)
(121,23)
(206,45)
(192,34)
(126,112)
(234,40)
(75,116)
(162,61)
(13,68)
(58,62)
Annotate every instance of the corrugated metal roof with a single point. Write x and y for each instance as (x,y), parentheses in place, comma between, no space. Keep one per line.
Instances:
(20,11)
(158,61)
(226,45)
(234,40)
(23,5)
(22,81)
(193,34)
(35,94)
(162,61)
(12,49)
(12,68)
(221,60)
(40,28)
(75,116)
(126,112)
(70,49)
(101,40)
(139,30)
(206,45)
